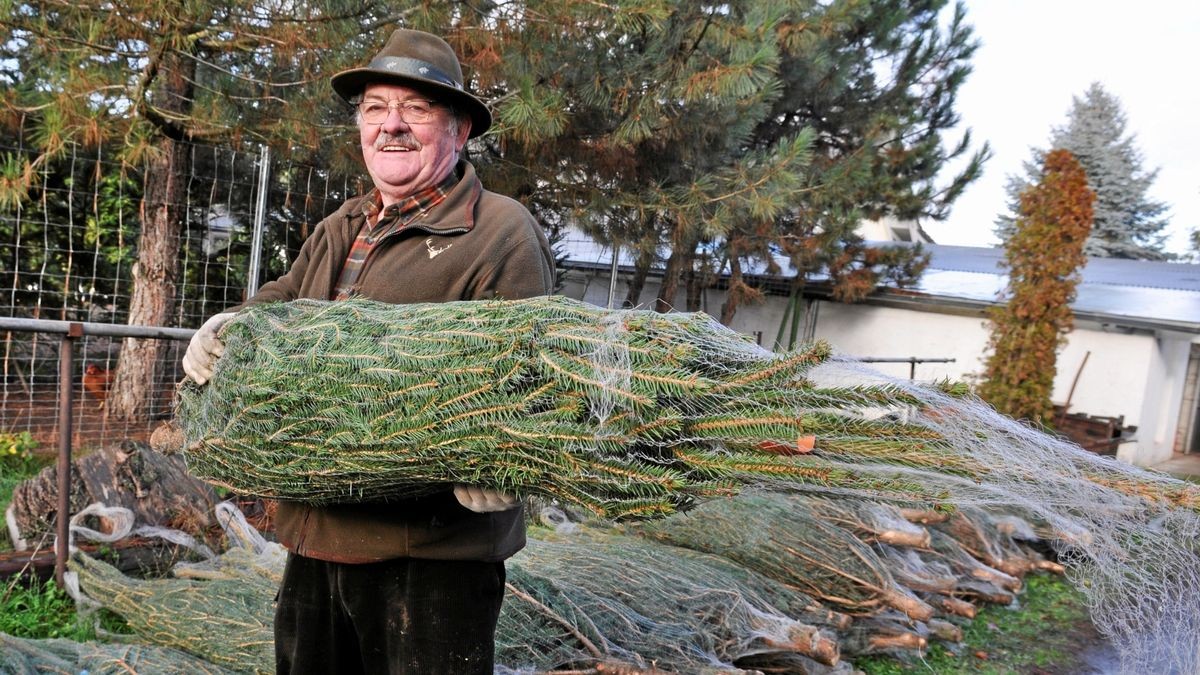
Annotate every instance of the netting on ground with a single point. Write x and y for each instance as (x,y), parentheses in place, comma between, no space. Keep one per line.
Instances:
(679,610)
(1126,536)
(870,521)
(226,621)
(778,536)
(22,656)
(586,599)
(218,609)
(580,599)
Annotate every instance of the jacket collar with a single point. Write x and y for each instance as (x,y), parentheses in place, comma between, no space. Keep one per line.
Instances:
(454,215)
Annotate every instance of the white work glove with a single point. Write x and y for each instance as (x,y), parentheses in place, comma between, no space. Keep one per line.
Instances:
(205,348)
(483,500)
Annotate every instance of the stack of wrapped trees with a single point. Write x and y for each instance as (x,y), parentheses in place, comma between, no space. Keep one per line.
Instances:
(590,598)
(633,415)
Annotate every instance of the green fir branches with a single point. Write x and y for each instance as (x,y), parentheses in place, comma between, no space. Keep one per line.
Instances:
(626,413)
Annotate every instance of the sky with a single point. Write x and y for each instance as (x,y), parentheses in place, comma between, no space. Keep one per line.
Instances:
(1035,55)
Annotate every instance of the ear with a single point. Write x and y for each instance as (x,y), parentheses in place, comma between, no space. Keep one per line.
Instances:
(464,132)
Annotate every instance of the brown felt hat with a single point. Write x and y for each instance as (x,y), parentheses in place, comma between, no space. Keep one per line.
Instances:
(416,58)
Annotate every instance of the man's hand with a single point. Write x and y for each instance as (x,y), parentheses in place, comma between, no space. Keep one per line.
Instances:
(483,500)
(205,348)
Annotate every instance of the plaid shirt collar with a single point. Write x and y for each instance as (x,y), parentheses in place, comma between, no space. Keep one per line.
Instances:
(379,223)
(406,210)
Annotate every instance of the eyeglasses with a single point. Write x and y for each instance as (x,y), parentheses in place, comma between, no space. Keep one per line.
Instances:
(412,111)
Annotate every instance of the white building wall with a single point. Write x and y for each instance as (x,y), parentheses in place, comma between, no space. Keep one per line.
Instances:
(887,332)
(1166,377)
(1137,376)
(1113,381)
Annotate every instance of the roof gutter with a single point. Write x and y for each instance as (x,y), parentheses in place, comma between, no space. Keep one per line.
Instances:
(901,298)
(906,299)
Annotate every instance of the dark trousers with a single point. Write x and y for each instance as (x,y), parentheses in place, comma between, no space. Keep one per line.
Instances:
(399,617)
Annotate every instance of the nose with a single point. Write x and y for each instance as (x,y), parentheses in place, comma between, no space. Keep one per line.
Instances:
(394,121)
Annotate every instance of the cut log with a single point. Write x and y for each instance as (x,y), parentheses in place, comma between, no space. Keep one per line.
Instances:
(157,488)
(137,556)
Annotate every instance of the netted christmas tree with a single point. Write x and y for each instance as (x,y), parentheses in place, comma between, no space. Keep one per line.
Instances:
(625,413)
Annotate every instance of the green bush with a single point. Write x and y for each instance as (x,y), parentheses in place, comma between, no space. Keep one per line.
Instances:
(16,453)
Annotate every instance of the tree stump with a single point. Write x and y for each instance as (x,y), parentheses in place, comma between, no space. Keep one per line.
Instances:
(157,488)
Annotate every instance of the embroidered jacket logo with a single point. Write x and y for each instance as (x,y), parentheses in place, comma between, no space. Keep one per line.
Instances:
(435,250)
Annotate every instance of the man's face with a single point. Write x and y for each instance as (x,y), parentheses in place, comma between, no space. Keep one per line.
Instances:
(404,158)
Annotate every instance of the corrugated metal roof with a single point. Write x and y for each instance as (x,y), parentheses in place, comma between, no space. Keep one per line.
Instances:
(1139,292)
(1136,293)
(1144,273)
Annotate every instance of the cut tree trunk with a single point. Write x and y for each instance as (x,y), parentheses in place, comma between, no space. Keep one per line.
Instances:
(157,488)
(153,299)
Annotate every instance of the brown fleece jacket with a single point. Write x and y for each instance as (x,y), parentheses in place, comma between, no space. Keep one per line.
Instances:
(475,245)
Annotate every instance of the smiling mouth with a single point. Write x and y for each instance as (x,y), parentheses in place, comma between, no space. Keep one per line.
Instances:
(399,143)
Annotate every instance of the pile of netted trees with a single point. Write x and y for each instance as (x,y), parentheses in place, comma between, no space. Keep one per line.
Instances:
(776,511)
(777,583)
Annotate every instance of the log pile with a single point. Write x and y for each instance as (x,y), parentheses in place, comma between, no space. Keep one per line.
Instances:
(157,488)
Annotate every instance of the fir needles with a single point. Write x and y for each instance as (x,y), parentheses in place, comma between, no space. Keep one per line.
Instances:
(627,413)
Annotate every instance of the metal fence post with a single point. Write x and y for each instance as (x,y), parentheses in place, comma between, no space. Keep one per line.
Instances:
(260,218)
(66,362)
(612,275)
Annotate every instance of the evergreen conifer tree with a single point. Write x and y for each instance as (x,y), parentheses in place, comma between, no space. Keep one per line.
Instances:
(1128,223)
(705,137)
(1043,257)
(147,79)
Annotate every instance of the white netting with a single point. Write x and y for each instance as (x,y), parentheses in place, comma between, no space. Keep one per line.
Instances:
(1125,544)
(636,414)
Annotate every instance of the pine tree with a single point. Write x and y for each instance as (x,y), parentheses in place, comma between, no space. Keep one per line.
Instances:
(1043,257)
(636,126)
(1128,223)
(708,136)
(143,80)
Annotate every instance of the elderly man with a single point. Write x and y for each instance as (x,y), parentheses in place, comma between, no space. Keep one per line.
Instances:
(413,586)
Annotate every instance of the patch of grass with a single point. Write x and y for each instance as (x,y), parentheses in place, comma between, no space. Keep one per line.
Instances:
(38,610)
(1044,633)
(46,611)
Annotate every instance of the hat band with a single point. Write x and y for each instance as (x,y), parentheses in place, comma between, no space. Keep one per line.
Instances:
(403,65)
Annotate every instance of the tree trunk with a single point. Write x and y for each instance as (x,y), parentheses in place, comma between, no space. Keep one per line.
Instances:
(641,269)
(665,301)
(152,302)
(736,283)
(683,252)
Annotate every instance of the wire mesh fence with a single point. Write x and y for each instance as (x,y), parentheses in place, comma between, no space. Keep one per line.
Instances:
(31,395)
(69,252)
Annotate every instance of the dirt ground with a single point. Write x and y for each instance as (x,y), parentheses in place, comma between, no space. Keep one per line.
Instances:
(38,412)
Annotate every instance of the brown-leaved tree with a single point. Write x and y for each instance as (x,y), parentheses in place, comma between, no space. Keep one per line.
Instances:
(1043,258)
